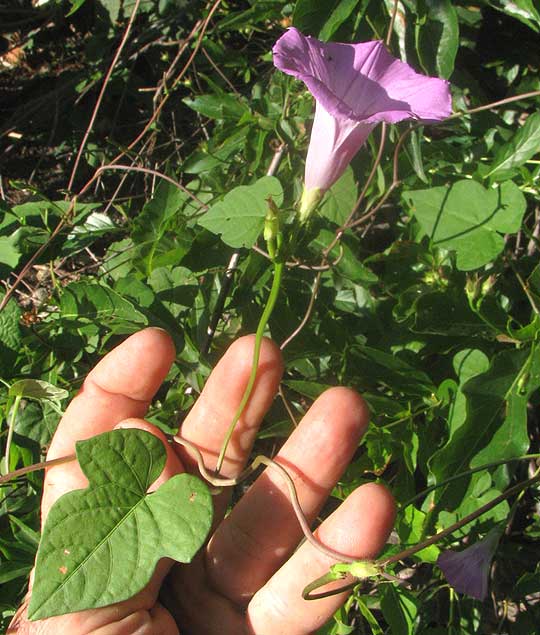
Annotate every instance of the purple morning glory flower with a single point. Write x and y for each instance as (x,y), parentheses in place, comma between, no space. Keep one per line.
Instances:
(467,571)
(356,86)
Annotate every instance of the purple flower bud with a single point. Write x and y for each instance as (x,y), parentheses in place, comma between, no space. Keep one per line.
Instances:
(355,86)
(467,571)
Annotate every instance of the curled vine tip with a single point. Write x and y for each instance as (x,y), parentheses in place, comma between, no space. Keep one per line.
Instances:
(359,570)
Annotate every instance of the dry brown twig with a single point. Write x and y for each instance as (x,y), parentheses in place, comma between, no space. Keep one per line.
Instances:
(101,95)
(155,173)
(160,106)
(64,221)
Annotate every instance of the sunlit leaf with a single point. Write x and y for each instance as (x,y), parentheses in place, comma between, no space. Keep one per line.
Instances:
(520,148)
(126,531)
(36,389)
(239,217)
(438,39)
(468,219)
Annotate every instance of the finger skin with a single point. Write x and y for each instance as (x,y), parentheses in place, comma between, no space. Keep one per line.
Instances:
(125,618)
(120,387)
(156,621)
(359,528)
(210,417)
(196,607)
(263,530)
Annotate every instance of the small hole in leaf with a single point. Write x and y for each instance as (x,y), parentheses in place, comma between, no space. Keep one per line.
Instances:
(63,570)
(192,497)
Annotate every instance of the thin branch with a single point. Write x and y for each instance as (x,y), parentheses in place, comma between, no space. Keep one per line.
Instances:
(161,175)
(486,466)
(61,224)
(181,49)
(526,290)
(116,192)
(307,314)
(287,405)
(220,303)
(324,266)
(494,104)
(391,25)
(220,72)
(102,93)
(373,211)
(464,521)
(36,466)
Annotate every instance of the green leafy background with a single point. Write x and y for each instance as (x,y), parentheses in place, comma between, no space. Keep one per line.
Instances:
(430,310)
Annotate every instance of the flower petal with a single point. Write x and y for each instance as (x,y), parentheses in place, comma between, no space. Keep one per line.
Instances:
(334,142)
(465,574)
(468,571)
(361,82)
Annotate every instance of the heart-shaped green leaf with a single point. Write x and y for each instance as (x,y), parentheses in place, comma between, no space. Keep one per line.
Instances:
(101,545)
(239,217)
(468,219)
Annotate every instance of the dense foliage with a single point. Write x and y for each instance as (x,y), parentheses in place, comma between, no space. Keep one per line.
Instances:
(124,127)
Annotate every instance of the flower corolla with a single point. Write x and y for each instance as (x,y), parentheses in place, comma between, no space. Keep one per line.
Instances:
(356,86)
(467,571)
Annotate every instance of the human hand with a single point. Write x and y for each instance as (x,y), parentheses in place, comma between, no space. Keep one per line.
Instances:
(249,578)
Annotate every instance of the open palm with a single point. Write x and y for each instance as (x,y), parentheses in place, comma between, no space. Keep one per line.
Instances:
(249,578)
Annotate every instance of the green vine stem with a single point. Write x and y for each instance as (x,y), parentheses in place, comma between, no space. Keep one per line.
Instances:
(255,464)
(516,489)
(346,563)
(455,477)
(337,573)
(11,427)
(274,292)
(330,576)
(359,570)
